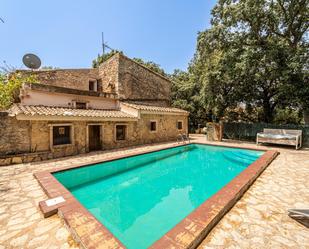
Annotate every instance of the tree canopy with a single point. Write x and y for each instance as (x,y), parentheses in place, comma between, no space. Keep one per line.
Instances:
(10,84)
(250,65)
(151,65)
(101,58)
(255,54)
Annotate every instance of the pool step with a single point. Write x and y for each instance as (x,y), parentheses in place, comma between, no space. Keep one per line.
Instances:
(239,158)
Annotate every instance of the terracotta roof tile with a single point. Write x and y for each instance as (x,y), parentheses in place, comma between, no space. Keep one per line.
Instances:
(68,112)
(154,108)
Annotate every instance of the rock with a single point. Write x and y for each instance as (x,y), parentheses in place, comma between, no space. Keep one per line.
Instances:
(46,225)
(62,234)
(37,159)
(28,159)
(30,211)
(8,235)
(5,161)
(38,240)
(17,160)
(19,241)
(13,222)
(44,157)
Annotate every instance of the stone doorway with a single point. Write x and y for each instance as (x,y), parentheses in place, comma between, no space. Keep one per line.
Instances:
(94,138)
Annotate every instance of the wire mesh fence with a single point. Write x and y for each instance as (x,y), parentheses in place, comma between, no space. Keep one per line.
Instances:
(248,131)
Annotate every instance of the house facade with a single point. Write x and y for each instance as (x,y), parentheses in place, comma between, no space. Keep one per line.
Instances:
(73,111)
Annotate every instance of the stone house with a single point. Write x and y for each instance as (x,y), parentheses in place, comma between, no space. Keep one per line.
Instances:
(72,111)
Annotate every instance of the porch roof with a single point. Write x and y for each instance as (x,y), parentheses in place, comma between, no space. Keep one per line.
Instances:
(28,112)
(155,109)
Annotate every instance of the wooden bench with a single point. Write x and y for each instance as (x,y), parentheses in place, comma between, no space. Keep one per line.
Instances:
(280,136)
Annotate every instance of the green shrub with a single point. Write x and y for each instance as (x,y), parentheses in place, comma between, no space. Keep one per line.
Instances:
(10,85)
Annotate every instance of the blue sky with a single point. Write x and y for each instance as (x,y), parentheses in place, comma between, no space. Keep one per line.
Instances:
(67,33)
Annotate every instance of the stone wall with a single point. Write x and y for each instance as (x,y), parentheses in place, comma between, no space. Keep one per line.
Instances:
(14,135)
(108,73)
(137,82)
(119,74)
(41,138)
(166,127)
(34,137)
(132,81)
(25,141)
(70,78)
(139,132)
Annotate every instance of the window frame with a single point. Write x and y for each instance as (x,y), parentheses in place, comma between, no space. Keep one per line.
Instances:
(81,102)
(51,135)
(177,125)
(74,103)
(95,85)
(153,121)
(125,133)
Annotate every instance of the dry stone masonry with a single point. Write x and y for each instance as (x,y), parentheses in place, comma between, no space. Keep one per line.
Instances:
(121,92)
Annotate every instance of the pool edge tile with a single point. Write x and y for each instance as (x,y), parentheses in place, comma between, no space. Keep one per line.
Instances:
(188,233)
(77,218)
(209,213)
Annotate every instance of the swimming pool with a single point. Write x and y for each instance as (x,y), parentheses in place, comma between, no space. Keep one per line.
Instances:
(141,198)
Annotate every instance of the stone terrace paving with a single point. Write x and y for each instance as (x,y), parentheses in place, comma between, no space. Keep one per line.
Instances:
(258,220)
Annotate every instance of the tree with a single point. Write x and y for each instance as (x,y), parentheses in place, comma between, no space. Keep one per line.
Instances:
(10,85)
(151,65)
(254,53)
(101,58)
(185,95)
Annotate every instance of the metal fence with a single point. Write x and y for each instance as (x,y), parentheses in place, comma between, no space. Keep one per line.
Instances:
(248,131)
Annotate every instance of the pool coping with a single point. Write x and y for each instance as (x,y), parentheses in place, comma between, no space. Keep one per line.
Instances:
(188,233)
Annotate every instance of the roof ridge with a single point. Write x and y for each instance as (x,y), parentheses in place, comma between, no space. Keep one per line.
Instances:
(119,54)
(152,71)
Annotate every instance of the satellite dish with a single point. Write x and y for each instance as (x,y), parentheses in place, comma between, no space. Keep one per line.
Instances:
(31,61)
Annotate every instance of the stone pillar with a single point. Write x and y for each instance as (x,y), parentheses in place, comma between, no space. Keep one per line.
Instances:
(214,131)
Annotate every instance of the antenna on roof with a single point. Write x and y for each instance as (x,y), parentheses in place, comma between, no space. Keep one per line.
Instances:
(31,61)
(104,45)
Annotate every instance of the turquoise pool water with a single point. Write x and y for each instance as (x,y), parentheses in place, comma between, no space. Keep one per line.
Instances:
(141,198)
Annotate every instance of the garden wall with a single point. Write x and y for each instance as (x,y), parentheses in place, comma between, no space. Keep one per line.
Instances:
(14,135)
